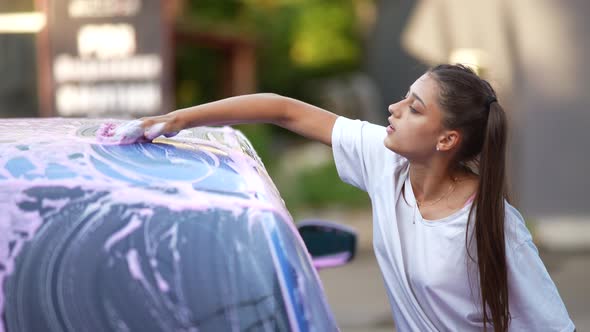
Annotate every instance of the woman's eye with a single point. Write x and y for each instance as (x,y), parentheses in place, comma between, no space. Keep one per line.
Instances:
(413,110)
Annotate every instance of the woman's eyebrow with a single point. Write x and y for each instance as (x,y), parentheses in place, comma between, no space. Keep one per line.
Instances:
(416,96)
(419,99)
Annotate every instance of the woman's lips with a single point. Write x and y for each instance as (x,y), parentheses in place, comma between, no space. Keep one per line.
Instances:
(390,129)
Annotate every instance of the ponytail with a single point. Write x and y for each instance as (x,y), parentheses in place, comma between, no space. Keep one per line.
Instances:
(489,222)
(469,104)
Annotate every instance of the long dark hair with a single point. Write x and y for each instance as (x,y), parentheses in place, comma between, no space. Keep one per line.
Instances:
(469,105)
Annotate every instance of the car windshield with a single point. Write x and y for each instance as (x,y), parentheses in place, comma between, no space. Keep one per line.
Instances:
(140,267)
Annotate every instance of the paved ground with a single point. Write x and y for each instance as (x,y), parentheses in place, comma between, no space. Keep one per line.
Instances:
(357,295)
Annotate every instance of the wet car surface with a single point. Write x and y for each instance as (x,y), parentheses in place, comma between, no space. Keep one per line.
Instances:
(183,234)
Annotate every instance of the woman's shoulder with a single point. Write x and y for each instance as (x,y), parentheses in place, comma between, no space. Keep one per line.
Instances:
(361,157)
(515,227)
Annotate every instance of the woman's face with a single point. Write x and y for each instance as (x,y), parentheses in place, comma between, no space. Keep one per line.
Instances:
(416,121)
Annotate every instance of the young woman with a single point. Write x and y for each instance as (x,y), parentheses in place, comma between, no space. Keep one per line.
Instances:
(455,256)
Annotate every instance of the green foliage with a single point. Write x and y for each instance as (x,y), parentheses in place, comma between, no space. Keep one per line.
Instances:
(197,76)
(324,36)
(303,40)
(320,187)
(214,10)
(297,40)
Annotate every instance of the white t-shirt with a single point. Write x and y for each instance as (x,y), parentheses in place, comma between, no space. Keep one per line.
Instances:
(424,263)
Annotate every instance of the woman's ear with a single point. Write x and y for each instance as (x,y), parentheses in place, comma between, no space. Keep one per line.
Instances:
(449,140)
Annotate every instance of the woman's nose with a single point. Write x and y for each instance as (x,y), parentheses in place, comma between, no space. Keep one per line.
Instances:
(390,109)
(394,109)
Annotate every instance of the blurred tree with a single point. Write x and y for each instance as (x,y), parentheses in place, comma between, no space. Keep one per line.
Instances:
(298,40)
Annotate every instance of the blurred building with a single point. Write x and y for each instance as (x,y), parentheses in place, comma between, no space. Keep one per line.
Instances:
(88,58)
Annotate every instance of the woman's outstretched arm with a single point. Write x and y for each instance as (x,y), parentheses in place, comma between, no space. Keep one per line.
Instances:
(299,117)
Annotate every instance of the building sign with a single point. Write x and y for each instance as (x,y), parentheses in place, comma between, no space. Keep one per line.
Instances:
(107,57)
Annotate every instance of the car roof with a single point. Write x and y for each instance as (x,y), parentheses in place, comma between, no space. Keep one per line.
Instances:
(215,165)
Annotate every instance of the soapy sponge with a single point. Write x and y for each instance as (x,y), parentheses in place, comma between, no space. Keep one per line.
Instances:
(129,132)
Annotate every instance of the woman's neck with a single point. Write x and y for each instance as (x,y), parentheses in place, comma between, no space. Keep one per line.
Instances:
(430,182)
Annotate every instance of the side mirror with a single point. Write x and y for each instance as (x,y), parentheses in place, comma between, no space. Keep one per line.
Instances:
(329,244)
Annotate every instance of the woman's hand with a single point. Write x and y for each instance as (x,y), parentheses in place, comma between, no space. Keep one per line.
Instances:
(168,125)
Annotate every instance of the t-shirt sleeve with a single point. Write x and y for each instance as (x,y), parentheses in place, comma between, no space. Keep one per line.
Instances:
(359,153)
(535,304)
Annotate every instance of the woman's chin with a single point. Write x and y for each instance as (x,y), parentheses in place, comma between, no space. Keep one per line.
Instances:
(395,149)
(390,145)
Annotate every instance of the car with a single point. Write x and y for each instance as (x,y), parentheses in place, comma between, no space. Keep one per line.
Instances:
(186,233)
